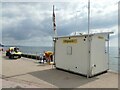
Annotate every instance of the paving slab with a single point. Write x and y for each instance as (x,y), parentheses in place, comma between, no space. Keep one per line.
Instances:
(29,71)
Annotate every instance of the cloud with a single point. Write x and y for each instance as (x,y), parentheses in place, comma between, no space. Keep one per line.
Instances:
(26,22)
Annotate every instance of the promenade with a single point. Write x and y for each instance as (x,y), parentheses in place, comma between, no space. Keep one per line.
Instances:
(28,73)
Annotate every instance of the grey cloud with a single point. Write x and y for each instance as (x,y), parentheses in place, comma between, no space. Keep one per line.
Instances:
(106,21)
(29,27)
(73,25)
(97,22)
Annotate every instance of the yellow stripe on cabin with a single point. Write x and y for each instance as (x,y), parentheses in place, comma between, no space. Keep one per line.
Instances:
(70,41)
(100,37)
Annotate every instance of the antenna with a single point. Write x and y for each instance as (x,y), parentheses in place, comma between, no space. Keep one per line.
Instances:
(88,17)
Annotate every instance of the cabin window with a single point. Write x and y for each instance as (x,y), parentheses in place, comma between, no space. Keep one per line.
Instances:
(106,46)
(69,50)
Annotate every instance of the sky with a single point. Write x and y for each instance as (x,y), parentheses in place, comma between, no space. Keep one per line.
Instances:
(29,23)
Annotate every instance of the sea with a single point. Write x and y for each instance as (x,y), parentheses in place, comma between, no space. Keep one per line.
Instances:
(113,54)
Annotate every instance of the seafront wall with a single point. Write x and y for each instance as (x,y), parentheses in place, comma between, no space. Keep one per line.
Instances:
(31,56)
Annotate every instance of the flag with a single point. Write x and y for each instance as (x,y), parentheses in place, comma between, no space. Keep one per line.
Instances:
(54,25)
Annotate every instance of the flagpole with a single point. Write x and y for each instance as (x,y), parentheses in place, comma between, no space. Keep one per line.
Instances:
(55,34)
(89,45)
(88,17)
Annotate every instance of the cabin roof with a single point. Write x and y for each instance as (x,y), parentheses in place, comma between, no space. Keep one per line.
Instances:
(82,35)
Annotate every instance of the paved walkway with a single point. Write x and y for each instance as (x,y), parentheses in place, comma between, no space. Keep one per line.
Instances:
(13,84)
(29,73)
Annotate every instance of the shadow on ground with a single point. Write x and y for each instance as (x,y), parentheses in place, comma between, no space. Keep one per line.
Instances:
(62,79)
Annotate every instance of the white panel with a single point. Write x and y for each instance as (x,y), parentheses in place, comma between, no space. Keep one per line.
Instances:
(99,57)
(78,61)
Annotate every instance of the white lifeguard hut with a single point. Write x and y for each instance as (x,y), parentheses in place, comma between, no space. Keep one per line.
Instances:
(83,54)
(86,54)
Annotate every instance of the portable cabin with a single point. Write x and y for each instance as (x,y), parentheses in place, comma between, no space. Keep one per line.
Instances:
(83,54)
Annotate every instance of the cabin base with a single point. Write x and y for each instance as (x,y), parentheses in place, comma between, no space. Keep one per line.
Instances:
(82,74)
